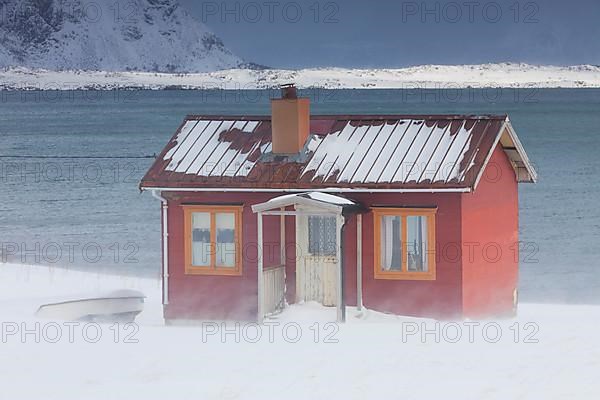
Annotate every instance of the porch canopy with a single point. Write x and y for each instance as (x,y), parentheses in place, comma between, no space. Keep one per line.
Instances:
(327,203)
(308,204)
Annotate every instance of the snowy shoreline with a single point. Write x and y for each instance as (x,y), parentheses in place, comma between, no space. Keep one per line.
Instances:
(421,77)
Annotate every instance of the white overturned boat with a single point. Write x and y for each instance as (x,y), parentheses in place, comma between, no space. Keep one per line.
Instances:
(118,306)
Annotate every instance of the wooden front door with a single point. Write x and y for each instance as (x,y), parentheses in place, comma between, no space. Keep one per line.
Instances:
(316,267)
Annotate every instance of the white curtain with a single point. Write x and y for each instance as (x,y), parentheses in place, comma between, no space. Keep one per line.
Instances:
(390,243)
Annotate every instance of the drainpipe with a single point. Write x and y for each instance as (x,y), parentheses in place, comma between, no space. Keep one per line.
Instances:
(165,245)
(342,276)
(359,297)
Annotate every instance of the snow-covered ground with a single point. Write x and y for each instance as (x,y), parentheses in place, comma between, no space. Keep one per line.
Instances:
(548,352)
(426,76)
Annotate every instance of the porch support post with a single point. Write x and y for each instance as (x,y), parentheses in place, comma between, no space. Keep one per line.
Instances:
(259,257)
(341,307)
(359,297)
(282,238)
(283,256)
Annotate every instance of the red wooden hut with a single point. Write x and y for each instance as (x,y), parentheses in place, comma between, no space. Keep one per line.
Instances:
(408,214)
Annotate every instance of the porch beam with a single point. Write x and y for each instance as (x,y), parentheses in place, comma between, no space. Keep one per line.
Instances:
(298,213)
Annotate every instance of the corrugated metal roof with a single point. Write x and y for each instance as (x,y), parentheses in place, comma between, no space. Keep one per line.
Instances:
(377,152)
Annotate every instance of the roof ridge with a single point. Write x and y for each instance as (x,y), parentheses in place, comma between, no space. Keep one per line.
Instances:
(364,117)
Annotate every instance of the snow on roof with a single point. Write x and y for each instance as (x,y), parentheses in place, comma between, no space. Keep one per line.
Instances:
(366,152)
(317,199)
(329,198)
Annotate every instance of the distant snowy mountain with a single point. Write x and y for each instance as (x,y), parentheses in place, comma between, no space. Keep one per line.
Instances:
(108,35)
(426,76)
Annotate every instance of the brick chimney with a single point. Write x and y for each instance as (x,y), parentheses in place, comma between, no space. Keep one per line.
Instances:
(290,121)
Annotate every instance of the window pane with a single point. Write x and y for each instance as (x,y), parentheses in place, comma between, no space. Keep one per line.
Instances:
(225,225)
(201,239)
(322,236)
(391,246)
(417,243)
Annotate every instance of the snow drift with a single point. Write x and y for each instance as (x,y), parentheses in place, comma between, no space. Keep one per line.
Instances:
(548,352)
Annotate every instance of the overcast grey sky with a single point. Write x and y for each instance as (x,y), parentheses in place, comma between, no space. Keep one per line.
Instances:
(387,33)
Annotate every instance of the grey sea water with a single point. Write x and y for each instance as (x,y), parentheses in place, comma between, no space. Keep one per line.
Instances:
(70,163)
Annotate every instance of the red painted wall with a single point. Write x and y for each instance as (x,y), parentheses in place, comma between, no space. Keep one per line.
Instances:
(490,233)
(465,286)
(441,298)
(290,255)
(227,297)
(218,297)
